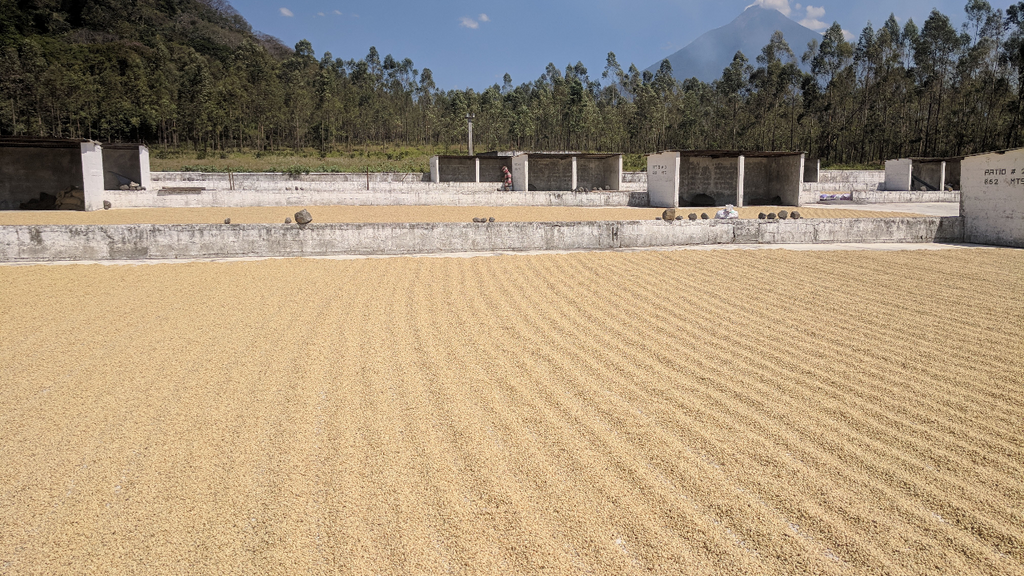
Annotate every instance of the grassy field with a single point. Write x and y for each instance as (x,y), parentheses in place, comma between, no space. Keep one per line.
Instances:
(684,412)
(277,214)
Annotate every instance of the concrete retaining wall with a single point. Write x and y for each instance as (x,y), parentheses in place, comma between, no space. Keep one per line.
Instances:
(882,197)
(308,182)
(442,194)
(831,181)
(634,181)
(140,241)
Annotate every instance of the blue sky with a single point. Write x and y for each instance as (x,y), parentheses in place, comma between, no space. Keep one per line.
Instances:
(473,43)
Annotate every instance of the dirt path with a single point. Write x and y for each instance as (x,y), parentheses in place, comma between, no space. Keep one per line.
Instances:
(682,412)
(262,215)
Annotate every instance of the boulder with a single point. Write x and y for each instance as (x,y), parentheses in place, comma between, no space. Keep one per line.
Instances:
(302,217)
(704,216)
(692,216)
(491,219)
(227,220)
(287,220)
(794,215)
(761,216)
(106,205)
(669,214)
(771,215)
(783,214)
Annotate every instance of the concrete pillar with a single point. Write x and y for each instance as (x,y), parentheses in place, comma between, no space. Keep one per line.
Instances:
(573,173)
(663,180)
(145,179)
(942,176)
(739,180)
(435,172)
(92,175)
(800,184)
(477,170)
(521,172)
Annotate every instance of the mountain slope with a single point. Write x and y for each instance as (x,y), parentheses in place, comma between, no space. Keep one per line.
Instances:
(708,55)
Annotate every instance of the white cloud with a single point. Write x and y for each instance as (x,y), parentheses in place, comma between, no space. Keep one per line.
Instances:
(320,14)
(813,12)
(780,5)
(468,23)
(286,12)
(813,24)
(813,19)
(484,18)
(797,6)
(848,35)
(338,12)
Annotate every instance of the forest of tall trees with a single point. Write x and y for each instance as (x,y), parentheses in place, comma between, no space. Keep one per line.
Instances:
(193,74)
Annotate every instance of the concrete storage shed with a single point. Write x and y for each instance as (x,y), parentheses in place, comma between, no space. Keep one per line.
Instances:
(923,173)
(124,164)
(992,198)
(718,177)
(479,168)
(540,171)
(33,166)
(558,171)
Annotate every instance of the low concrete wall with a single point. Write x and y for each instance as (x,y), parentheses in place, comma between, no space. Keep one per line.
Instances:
(883,197)
(309,182)
(634,181)
(141,241)
(442,194)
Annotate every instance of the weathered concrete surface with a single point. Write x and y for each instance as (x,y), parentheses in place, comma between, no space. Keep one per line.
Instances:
(127,242)
(429,194)
(897,174)
(314,182)
(634,181)
(715,177)
(923,208)
(661,179)
(832,181)
(992,202)
(905,196)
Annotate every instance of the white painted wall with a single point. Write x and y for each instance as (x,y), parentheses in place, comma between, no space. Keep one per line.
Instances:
(435,169)
(92,175)
(992,198)
(520,172)
(663,179)
(146,178)
(897,174)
